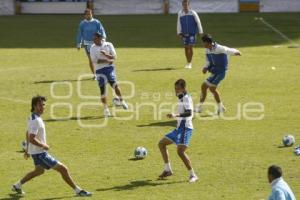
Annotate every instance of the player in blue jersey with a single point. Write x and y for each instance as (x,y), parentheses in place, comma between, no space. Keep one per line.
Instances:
(85,35)
(188,27)
(182,134)
(216,64)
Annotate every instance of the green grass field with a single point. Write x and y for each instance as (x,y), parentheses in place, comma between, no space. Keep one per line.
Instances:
(230,156)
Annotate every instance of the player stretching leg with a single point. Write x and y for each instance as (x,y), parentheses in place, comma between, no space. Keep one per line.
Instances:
(86,30)
(103,55)
(182,134)
(216,64)
(188,26)
(38,148)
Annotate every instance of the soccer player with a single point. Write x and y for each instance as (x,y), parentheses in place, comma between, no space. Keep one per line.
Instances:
(38,149)
(86,30)
(182,134)
(216,64)
(280,189)
(188,26)
(103,56)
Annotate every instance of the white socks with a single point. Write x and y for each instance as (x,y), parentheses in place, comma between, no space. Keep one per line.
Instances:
(192,173)
(77,189)
(168,167)
(18,184)
(220,105)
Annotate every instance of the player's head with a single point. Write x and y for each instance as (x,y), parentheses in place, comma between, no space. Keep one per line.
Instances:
(185,4)
(274,172)
(207,41)
(38,104)
(98,37)
(180,87)
(88,14)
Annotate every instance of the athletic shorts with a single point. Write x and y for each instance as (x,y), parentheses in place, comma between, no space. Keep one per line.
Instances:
(180,136)
(189,40)
(215,79)
(44,160)
(106,74)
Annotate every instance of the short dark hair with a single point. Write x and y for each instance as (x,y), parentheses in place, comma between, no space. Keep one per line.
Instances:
(275,171)
(207,38)
(35,100)
(88,10)
(98,34)
(181,83)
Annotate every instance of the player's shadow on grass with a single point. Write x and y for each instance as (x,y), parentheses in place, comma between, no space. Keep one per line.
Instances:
(58,81)
(165,123)
(13,197)
(154,69)
(75,119)
(137,184)
(63,197)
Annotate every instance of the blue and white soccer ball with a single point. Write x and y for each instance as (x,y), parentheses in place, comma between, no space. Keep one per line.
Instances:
(288,140)
(140,153)
(116,101)
(24,145)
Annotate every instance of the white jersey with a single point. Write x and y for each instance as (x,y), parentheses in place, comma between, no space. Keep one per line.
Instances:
(36,126)
(96,54)
(185,103)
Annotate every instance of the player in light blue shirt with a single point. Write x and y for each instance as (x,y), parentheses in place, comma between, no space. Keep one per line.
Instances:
(280,189)
(85,35)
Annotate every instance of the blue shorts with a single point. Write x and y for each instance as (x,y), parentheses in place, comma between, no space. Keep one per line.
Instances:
(180,136)
(106,74)
(44,160)
(215,79)
(87,49)
(189,40)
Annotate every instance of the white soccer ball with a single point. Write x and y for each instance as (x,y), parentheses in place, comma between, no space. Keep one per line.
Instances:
(24,145)
(140,153)
(116,101)
(288,140)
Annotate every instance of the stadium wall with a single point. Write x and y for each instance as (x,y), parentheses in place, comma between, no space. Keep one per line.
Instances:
(7,7)
(279,5)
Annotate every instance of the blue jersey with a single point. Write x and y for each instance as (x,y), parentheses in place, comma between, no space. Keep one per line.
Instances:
(86,31)
(217,58)
(188,23)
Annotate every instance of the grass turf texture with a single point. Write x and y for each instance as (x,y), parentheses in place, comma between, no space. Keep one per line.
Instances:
(230,156)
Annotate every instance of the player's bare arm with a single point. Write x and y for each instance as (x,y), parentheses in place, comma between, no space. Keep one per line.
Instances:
(107,55)
(37,142)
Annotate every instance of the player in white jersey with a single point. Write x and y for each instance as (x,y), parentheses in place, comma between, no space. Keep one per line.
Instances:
(182,134)
(103,56)
(38,148)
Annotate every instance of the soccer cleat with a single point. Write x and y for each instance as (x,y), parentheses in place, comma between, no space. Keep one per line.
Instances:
(17,189)
(193,178)
(124,105)
(221,109)
(165,174)
(106,113)
(84,193)
(188,66)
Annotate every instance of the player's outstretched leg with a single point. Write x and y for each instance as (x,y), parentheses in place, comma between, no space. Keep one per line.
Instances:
(92,68)
(181,153)
(216,94)
(63,170)
(165,155)
(203,95)
(118,93)
(17,187)
(189,56)
(104,100)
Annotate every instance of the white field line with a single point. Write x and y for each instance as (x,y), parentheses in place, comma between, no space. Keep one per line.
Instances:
(277,31)
(14,100)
